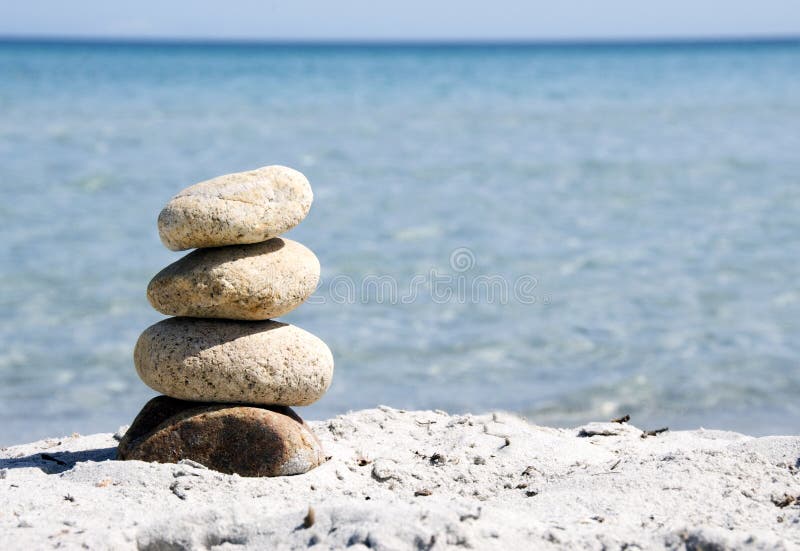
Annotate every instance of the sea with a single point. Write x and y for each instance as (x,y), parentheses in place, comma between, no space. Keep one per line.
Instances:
(568,232)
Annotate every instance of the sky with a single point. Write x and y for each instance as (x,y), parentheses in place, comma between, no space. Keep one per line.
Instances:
(400,20)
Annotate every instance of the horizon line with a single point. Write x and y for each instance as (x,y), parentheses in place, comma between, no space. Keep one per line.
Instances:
(388,42)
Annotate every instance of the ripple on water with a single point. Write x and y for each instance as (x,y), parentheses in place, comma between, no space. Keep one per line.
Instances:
(658,217)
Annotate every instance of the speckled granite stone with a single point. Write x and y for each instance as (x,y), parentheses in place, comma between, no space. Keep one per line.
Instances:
(236,209)
(262,362)
(246,282)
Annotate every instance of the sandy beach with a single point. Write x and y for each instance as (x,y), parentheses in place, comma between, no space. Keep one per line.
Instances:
(420,480)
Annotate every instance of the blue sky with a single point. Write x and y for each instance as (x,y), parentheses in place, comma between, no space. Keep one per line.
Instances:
(406,20)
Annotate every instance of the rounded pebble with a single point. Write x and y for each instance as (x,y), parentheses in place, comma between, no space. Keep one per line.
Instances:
(245,440)
(236,209)
(244,282)
(261,362)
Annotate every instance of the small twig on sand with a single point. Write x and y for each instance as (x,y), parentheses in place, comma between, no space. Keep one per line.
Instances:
(588,433)
(310,518)
(624,419)
(646,433)
(784,501)
(610,469)
(48,457)
(426,424)
(505,437)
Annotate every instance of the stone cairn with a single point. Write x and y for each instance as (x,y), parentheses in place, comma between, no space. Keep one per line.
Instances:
(228,373)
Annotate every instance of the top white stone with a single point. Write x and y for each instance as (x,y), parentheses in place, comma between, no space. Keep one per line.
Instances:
(236,209)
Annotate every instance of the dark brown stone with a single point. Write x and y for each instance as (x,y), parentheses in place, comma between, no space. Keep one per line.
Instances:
(230,438)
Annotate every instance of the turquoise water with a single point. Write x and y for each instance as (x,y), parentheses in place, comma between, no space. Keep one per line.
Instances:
(653,192)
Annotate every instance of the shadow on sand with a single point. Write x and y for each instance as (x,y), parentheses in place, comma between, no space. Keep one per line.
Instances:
(58,462)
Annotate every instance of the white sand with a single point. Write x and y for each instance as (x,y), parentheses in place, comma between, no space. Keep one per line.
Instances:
(494,482)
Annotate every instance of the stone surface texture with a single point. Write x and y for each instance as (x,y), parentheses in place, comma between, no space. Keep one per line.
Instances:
(246,440)
(236,209)
(263,362)
(245,282)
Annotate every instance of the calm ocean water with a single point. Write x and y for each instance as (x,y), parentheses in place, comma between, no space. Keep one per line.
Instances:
(653,192)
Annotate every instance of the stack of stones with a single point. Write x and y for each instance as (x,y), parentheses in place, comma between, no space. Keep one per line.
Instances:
(228,373)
